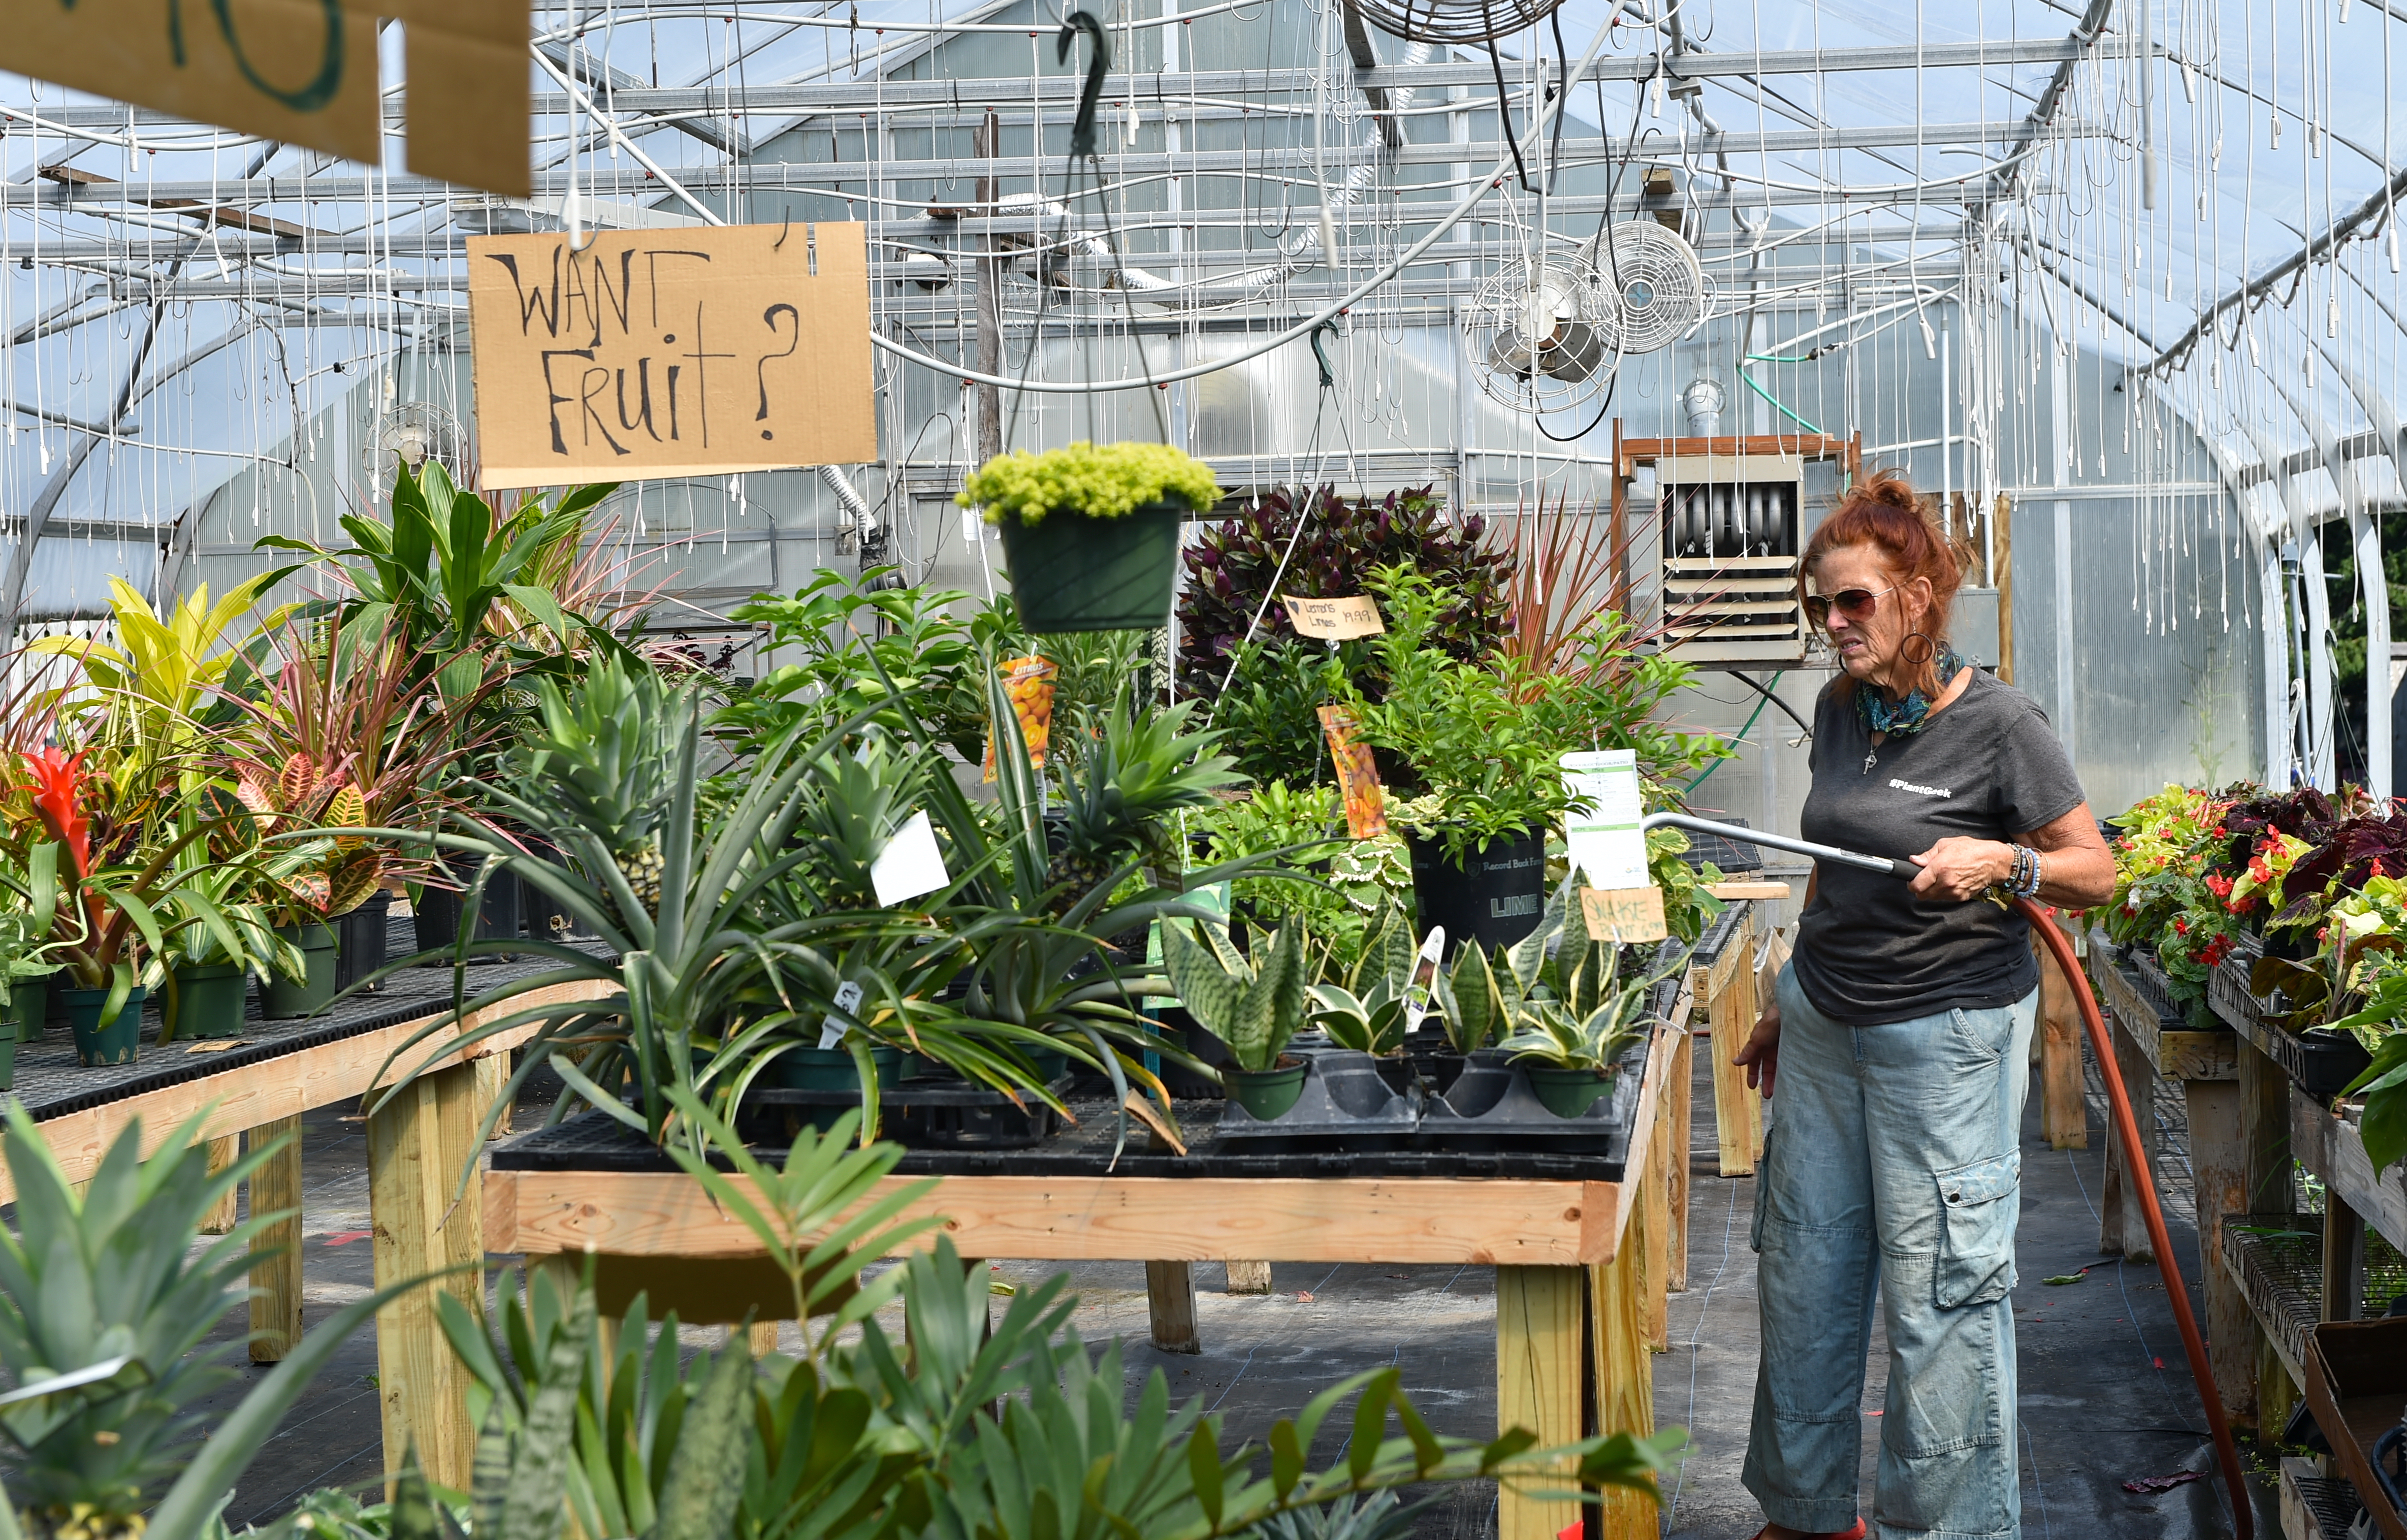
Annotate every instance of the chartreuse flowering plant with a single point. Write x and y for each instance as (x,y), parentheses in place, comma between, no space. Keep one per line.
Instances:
(1099,481)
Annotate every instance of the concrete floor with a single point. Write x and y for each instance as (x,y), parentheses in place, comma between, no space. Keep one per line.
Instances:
(2106,1394)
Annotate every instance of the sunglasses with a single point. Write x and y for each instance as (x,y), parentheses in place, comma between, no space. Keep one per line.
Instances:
(1854,602)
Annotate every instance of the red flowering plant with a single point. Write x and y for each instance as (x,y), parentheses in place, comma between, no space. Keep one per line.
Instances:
(2172,890)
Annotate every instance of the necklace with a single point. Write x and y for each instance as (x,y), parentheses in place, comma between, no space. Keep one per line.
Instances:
(1910,714)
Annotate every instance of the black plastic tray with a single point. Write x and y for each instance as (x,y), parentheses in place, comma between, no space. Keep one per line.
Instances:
(1345,1097)
(2320,1064)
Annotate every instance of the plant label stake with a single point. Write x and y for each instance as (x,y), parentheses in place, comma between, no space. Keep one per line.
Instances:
(847,999)
(1424,980)
(1334,620)
(910,864)
(1358,775)
(1604,839)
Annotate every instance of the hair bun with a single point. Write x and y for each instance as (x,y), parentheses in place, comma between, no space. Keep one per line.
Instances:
(1891,486)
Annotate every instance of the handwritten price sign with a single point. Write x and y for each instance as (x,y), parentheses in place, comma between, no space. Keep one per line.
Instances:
(301,71)
(1334,620)
(656,353)
(1625,914)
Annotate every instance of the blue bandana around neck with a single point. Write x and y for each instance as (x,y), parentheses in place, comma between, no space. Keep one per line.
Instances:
(1912,714)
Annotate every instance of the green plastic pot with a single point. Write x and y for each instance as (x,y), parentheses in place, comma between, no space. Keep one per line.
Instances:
(1266,1093)
(209,999)
(1072,573)
(833,1069)
(8,1060)
(1567,1093)
(97,1042)
(29,1005)
(283,999)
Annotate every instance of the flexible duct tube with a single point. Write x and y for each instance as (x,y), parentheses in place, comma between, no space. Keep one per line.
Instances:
(849,498)
(2126,1129)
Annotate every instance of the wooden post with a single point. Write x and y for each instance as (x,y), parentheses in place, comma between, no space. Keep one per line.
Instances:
(1249,1277)
(275,1250)
(2063,1115)
(2001,540)
(1651,1227)
(2343,1260)
(761,1336)
(986,142)
(1738,1112)
(1170,1302)
(1539,1381)
(2265,1131)
(2122,1227)
(417,1148)
(1620,1292)
(2219,1165)
(1681,1094)
(222,1154)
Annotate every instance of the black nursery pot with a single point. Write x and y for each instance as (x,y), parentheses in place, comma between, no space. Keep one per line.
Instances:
(1494,897)
(438,909)
(361,934)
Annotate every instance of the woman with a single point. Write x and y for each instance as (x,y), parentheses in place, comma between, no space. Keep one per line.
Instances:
(1899,1038)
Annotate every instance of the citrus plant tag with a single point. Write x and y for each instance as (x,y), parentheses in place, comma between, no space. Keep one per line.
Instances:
(1358,775)
(1334,620)
(1625,914)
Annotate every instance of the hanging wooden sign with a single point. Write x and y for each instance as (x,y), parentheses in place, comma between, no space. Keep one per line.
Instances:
(302,72)
(664,352)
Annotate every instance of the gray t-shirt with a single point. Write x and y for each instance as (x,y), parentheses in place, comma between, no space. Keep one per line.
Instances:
(1986,767)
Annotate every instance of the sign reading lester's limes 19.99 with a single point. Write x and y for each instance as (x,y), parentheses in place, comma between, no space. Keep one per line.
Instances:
(664,352)
(301,71)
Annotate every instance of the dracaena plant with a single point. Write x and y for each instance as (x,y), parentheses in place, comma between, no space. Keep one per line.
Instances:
(1367,1005)
(1253,1005)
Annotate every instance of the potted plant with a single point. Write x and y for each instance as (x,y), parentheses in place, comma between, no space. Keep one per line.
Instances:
(1090,534)
(28,936)
(1371,1005)
(1558,1006)
(1252,1009)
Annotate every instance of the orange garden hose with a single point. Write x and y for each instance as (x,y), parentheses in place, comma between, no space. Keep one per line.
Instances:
(2141,1180)
(2119,1100)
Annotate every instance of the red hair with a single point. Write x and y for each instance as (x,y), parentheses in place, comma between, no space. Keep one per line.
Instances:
(1883,512)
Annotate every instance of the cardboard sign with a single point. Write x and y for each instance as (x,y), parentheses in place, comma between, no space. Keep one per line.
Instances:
(1334,620)
(1358,775)
(1624,913)
(304,72)
(664,352)
(1605,841)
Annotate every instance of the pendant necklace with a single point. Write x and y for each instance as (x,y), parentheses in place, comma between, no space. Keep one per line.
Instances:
(1871,759)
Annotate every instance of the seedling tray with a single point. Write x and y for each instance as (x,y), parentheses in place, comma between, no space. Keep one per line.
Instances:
(2320,1064)
(1345,1097)
(935,1112)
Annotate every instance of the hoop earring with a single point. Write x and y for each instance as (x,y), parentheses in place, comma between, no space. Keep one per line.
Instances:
(1930,649)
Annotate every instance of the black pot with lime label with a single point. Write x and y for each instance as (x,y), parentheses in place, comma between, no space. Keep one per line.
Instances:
(1494,896)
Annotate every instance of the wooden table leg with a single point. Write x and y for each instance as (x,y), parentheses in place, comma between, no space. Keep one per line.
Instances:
(1679,1093)
(2219,1165)
(1249,1277)
(417,1148)
(2270,1189)
(1738,1113)
(1540,1377)
(2122,1227)
(1170,1302)
(2343,1260)
(1655,1211)
(222,1154)
(276,1249)
(2064,1112)
(1619,1292)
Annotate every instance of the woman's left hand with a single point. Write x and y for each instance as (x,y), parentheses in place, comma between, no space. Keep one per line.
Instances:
(1960,868)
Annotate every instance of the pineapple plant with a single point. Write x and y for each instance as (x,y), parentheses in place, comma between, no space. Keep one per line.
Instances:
(602,765)
(1135,772)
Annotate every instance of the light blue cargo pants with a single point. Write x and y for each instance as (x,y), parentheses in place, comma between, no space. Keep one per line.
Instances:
(1891,1165)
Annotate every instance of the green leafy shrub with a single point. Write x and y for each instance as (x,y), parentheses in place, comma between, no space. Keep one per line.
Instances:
(1100,481)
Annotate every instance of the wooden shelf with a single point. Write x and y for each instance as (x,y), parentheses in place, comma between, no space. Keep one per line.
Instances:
(2329,1145)
(2176,1054)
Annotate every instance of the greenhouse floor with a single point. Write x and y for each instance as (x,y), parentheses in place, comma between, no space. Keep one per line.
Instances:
(2105,1396)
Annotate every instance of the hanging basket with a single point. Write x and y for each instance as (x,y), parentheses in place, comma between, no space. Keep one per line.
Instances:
(1070,572)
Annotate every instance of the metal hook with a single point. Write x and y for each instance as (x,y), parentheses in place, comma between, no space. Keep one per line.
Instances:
(784,231)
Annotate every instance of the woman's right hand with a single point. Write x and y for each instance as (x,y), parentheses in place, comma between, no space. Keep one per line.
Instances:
(1760,1052)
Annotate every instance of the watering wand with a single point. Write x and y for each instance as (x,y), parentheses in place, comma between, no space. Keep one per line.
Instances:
(2127,1128)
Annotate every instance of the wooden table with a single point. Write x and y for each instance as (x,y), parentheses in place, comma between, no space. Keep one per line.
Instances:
(1575,1260)
(270,1077)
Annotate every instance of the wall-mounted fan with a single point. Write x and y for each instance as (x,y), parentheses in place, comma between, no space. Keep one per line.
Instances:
(1652,292)
(1454,20)
(409,434)
(1535,335)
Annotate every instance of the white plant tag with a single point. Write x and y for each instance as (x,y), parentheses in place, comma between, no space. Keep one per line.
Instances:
(1416,993)
(833,1027)
(910,864)
(1606,841)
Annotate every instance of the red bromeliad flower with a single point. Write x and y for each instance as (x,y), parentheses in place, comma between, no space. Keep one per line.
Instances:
(58,796)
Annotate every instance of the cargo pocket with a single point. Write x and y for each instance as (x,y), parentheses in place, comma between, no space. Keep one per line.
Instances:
(1976,1257)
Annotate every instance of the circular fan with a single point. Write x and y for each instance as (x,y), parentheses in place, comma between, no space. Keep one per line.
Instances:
(1534,335)
(1653,292)
(409,434)
(1454,20)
